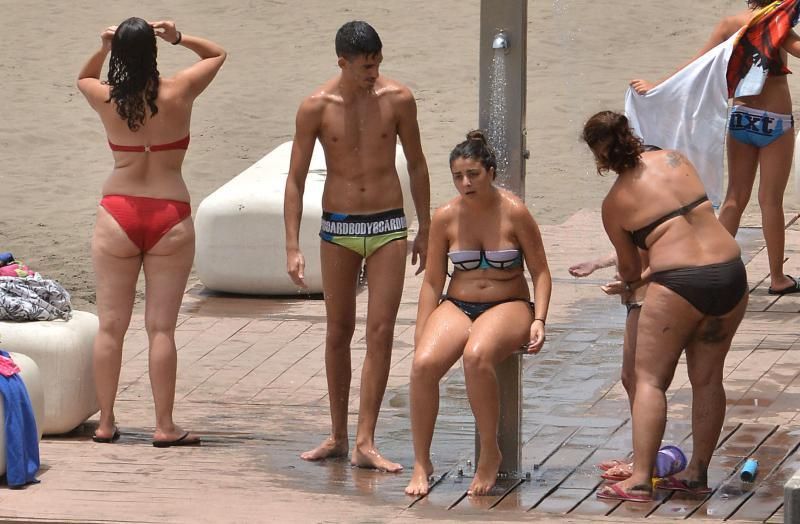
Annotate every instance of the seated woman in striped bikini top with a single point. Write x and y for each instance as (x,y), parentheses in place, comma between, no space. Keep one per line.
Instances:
(486,314)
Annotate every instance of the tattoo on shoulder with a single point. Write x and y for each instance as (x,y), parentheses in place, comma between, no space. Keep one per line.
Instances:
(674,159)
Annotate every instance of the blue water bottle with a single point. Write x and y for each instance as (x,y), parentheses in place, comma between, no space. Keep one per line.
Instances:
(749,470)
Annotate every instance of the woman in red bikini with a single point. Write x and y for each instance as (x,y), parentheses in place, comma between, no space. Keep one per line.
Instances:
(144,217)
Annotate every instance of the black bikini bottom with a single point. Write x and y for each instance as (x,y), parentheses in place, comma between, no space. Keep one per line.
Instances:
(713,290)
(475,309)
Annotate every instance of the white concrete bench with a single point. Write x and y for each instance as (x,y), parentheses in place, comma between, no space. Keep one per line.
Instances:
(63,352)
(240,246)
(30,375)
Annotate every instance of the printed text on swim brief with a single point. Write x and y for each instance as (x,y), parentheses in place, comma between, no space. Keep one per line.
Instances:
(377,227)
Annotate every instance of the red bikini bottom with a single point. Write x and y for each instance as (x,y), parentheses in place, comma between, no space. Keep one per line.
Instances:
(145,220)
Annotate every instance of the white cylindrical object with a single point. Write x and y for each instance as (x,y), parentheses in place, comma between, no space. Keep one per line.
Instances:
(63,352)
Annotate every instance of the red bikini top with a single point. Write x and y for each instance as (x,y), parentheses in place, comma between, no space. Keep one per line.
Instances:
(183,143)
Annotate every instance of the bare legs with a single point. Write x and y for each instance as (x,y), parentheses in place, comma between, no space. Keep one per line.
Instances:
(117,263)
(440,346)
(628,373)
(775,162)
(166,270)
(776,165)
(340,267)
(386,269)
(705,356)
(622,468)
(491,338)
(660,340)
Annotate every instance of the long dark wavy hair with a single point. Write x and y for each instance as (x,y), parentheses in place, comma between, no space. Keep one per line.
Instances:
(611,139)
(752,4)
(133,71)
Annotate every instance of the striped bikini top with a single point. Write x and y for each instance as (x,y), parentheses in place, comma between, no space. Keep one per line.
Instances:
(481,259)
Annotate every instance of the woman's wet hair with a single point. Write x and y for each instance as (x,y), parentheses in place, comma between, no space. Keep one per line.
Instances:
(356,39)
(752,4)
(133,71)
(610,137)
(476,147)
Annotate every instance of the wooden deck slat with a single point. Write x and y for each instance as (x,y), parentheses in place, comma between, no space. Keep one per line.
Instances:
(734,448)
(556,467)
(679,434)
(677,505)
(446,493)
(733,492)
(777,517)
(768,496)
(562,501)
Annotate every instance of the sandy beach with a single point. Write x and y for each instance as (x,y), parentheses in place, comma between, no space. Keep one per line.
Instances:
(54,156)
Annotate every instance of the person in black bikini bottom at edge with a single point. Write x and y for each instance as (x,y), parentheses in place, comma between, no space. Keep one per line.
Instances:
(486,315)
(696,297)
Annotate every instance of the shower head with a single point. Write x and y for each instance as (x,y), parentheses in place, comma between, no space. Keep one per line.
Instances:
(500,41)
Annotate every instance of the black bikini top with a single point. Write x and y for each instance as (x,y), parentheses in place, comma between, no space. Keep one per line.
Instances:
(639,236)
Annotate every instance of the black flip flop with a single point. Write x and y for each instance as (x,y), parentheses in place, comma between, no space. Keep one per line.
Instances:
(180,441)
(107,440)
(786,291)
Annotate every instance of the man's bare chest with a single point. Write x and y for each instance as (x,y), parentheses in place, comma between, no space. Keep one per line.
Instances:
(357,127)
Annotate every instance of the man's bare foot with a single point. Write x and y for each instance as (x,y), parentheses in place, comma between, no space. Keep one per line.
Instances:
(368,457)
(419,484)
(486,473)
(330,448)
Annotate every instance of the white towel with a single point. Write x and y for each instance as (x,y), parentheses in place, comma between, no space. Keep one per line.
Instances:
(688,112)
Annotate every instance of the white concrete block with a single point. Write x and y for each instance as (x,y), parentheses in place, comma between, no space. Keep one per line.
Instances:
(63,352)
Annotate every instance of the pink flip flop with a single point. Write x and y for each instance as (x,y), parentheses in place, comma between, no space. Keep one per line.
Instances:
(676,484)
(608,464)
(618,473)
(615,478)
(617,492)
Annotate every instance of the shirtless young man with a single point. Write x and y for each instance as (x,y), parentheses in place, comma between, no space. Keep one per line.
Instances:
(358,117)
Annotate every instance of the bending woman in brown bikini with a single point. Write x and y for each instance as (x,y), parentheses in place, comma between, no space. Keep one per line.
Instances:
(696,298)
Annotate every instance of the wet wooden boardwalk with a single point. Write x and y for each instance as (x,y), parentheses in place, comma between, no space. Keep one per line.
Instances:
(252,382)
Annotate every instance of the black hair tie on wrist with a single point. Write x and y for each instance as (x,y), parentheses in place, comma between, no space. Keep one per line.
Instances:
(178,41)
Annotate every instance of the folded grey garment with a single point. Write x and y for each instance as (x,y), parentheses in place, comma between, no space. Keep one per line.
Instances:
(33,298)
